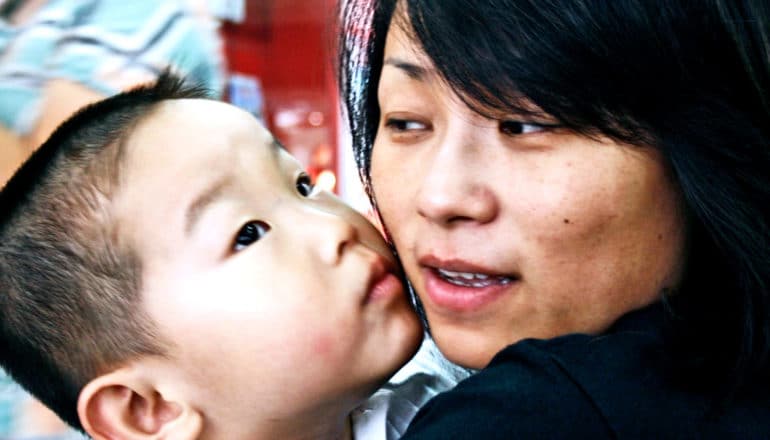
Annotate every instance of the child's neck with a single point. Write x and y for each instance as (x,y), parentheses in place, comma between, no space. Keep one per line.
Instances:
(347,434)
(334,431)
(310,428)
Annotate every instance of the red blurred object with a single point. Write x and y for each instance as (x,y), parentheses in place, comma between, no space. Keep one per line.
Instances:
(289,46)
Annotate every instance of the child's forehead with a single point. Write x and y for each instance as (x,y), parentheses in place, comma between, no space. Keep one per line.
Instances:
(187,146)
(205,116)
(198,132)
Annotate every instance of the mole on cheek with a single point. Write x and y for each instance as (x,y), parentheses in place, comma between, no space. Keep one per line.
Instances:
(566,221)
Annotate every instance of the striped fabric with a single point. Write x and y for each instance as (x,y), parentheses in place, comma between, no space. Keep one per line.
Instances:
(106,45)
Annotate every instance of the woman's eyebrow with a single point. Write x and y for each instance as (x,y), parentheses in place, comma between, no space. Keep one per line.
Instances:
(414,71)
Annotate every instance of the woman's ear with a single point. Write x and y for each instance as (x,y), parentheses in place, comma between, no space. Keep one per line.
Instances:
(120,405)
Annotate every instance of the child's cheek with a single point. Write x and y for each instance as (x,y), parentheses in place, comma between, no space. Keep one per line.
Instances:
(323,344)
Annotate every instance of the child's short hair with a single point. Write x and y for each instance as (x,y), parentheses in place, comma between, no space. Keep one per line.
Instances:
(69,286)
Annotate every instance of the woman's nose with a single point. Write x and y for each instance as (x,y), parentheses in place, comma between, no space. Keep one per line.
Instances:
(451,192)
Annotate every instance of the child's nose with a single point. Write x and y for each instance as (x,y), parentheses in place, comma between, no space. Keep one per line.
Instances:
(332,235)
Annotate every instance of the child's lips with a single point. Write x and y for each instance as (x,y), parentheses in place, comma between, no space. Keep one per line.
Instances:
(385,287)
(383,282)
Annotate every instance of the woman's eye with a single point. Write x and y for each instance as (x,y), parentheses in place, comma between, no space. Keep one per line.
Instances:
(304,185)
(396,124)
(512,128)
(250,233)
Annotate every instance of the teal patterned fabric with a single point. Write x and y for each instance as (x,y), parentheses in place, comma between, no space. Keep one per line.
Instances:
(101,44)
(10,395)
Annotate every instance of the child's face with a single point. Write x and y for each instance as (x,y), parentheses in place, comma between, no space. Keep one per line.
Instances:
(276,300)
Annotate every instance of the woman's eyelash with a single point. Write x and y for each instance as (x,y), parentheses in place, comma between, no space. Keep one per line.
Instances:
(512,127)
(404,124)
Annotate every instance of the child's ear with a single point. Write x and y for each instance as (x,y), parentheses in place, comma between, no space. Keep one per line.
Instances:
(121,405)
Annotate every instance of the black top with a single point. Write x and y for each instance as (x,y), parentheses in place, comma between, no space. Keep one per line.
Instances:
(582,386)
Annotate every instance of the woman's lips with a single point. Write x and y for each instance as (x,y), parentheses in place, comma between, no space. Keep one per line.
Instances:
(459,287)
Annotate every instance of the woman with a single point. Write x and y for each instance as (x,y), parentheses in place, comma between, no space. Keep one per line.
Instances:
(590,174)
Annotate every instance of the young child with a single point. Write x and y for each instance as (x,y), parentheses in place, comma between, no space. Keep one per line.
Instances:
(168,271)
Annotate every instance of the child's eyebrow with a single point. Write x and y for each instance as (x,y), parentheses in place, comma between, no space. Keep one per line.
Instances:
(211,194)
(203,200)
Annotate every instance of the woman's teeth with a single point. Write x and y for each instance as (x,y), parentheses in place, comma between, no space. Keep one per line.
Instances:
(470,279)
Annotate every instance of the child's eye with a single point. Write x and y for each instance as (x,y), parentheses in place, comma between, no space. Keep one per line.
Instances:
(512,128)
(304,185)
(249,233)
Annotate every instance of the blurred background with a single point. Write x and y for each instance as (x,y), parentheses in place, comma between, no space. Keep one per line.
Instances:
(273,58)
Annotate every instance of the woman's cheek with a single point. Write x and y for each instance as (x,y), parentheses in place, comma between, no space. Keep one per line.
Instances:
(570,224)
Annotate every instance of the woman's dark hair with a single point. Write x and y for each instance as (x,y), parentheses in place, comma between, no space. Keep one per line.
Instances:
(691,78)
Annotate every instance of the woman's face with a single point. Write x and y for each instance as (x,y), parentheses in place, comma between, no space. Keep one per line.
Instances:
(513,228)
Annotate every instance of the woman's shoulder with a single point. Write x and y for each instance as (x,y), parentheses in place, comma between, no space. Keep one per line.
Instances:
(523,393)
(607,386)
